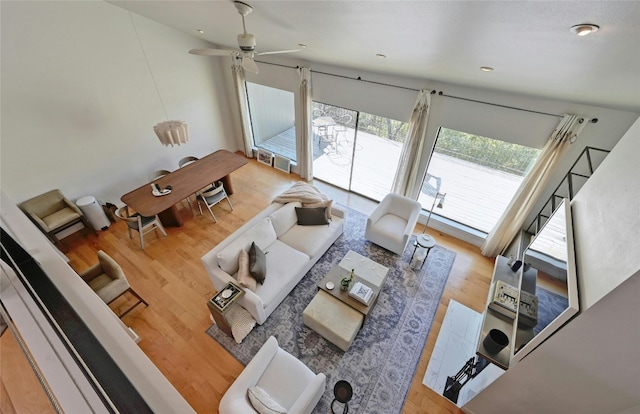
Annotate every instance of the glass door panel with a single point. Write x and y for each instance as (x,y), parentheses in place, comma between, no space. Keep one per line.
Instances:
(333,143)
(376,155)
(356,151)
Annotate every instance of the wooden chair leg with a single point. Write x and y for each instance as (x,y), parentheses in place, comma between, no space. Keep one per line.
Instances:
(140,300)
(141,234)
(212,215)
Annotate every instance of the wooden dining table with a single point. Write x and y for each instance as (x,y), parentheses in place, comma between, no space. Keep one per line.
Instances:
(184,182)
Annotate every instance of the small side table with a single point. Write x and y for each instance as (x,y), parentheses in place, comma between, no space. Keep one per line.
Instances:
(426,242)
(220,304)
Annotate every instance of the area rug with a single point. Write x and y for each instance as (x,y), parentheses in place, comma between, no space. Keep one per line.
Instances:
(381,362)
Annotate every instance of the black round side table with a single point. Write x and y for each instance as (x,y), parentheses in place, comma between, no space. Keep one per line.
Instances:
(342,392)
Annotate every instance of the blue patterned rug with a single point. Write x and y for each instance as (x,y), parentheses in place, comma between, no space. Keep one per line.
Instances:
(381,362)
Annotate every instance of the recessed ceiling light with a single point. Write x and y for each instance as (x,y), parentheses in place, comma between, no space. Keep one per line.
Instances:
(584,29)
(200,31)
(302,45)
(381,56)
(486,68)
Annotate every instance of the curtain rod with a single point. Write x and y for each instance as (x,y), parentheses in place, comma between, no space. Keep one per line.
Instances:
(344,77)
(593,121)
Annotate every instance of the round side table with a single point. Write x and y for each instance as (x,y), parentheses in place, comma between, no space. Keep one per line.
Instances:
(426,242)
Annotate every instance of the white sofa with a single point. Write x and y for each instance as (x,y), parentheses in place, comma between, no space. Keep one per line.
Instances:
(288,381)
(290,249)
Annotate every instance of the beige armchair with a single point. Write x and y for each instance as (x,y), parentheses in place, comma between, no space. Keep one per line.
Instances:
(52,212)
(107,279)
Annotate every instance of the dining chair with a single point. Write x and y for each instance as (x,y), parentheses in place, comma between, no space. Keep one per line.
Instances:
(157,174)
(108,280)
(187,160)
(141,224)
(211,197)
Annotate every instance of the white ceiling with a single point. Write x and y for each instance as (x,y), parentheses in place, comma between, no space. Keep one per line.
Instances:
(528,43)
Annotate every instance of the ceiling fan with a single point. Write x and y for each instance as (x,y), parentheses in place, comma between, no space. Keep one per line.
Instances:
(246,43)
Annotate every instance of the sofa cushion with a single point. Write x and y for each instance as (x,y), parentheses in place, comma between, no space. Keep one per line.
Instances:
(311,216)
(257,263)
(244,275)
(262,234)
(263,402)
(284,264)
(284,218)
(311,240)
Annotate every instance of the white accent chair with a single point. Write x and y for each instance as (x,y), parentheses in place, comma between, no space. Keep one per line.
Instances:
(285,378)
(392,222)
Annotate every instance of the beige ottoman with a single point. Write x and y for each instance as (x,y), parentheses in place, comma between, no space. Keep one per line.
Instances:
(334,320)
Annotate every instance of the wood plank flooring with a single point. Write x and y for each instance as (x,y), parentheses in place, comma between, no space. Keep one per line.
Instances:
(170,276)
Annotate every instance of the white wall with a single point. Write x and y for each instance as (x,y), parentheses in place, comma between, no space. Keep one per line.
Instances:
(78,102)
(591,365)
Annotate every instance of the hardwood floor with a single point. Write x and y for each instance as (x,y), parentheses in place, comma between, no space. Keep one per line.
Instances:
(170,276)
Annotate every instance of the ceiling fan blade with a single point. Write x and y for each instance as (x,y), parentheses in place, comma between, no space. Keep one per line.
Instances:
(278,51)
(213,52)
(249,65)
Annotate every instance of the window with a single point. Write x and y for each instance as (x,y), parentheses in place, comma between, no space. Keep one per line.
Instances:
(355,150)
(479,176)
(272,114)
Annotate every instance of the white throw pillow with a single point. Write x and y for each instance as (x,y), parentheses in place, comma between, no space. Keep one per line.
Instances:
(263,403)
(262,233)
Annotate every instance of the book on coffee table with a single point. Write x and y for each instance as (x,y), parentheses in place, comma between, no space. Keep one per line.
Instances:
(361,292)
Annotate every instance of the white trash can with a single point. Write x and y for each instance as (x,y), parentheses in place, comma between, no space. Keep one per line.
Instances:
(94,212)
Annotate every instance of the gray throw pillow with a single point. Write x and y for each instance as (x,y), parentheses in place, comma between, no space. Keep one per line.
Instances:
(257,263)
(311,216)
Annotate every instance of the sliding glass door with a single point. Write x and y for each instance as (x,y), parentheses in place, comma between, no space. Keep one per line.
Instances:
(356,151)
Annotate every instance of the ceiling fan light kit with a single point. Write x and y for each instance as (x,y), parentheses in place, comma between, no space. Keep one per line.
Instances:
(246,44)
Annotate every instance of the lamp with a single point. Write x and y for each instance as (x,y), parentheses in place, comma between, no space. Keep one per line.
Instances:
(424,239)
(168,132)
(342,392)
(172,132)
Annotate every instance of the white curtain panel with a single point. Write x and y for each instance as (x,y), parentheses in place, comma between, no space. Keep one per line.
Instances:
(404,182)
(247,133)
(534,183)
(305,161)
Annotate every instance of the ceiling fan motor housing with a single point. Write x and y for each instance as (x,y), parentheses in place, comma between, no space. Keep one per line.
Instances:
(247,42)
